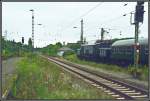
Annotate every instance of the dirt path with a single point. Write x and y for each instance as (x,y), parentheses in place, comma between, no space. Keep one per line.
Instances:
(8,73)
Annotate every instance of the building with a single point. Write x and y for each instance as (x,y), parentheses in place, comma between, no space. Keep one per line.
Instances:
(62,50)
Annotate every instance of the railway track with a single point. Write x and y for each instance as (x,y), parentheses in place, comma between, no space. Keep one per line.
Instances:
(115,88)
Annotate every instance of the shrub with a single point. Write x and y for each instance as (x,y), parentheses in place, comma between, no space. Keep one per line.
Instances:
(68,53)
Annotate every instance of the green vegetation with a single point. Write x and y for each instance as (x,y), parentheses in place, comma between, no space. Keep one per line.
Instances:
(68,53)
(142,72)
(13,49)
(51,50)
(73,46)
(40,79)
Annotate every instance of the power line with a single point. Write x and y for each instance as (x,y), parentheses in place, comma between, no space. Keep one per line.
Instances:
(111,20)
(82,16)
(116,18)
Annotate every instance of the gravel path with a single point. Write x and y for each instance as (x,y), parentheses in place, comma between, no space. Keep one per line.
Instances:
(8,72)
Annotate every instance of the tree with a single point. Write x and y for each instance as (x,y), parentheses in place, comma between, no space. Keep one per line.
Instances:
(58,44)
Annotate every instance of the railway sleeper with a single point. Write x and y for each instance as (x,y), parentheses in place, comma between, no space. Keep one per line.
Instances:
(111,93)
(139,96)
(124,89)
(130,91)
(120,98)
(134,93)
(107,91)
(115,95)
(107,82)
(118,87)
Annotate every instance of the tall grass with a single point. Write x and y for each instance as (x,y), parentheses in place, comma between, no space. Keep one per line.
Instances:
(142,71)
(110,67)
(40,79)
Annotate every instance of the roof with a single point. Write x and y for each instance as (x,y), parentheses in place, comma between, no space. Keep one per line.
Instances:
(129,42)
(89,43)
(65,49)
(105,48)
(103,41)
(95,42)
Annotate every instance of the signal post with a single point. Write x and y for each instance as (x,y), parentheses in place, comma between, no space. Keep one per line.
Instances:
(138,17)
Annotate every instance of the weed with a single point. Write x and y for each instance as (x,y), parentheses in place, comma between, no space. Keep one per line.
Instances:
(40,79)
(142,71)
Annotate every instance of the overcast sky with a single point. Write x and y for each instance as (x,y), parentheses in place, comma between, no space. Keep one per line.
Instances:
(59,18)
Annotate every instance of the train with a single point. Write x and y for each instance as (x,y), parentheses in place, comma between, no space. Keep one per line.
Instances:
(118,52)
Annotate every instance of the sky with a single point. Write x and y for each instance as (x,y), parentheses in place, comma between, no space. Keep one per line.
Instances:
(59,18)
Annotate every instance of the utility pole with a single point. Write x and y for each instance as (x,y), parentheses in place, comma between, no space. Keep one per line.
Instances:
(138,17)
(22,43)
(81,37)
(84,39)
(136,50)
(102,34)
(32,29)
(5,35)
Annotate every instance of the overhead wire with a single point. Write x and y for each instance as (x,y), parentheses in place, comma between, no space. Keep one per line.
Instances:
(116,18)
(110,20)
(90,10)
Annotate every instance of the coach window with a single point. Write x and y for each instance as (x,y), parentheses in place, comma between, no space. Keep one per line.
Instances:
(117,50)
(100,52)
(125,49)
(114,49)
(146,49)
(122,49)
(129,49)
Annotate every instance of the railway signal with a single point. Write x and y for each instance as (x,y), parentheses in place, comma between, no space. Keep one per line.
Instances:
(138,17)
(139,12)
(22,40)
(102,33)
(5,36)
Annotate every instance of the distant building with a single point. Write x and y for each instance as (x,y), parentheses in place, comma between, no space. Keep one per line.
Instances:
(70,44)
(62,50)
(73,46)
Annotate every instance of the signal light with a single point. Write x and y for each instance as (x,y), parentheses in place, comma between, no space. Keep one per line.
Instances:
(140,2)
(22,39)
(139,13)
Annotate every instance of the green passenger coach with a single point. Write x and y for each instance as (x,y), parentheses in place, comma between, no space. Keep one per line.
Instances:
(123,50)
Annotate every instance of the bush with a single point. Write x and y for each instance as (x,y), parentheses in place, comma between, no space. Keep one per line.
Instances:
(140,72)
(39,78)
(68,53)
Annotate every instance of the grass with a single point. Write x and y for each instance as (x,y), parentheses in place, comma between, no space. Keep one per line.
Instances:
(40,79)
(141,71)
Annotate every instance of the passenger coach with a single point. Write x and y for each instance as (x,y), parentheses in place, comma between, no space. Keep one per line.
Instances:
(123,51)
